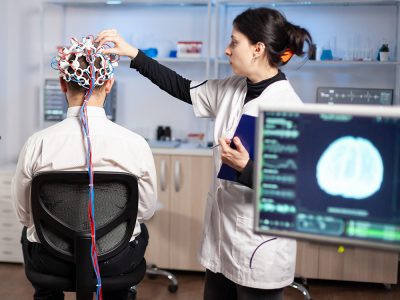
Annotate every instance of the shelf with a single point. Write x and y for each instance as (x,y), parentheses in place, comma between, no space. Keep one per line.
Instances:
(118,3)
(181,60)
(48,58)
(334,63)
(330,63)
(308,3)
(171,60)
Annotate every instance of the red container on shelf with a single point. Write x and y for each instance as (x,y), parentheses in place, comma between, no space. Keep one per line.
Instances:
(189,49)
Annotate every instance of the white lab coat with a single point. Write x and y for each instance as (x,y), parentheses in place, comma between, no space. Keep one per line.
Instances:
(229,241)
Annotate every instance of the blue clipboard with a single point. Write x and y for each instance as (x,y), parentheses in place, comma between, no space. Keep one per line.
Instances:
(246,133)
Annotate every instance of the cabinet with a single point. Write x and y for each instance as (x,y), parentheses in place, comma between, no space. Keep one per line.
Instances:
(10,228)
(322,261)
(176,228)
(351,39)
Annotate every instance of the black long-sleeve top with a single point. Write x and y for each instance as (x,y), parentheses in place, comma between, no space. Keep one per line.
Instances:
(179,87)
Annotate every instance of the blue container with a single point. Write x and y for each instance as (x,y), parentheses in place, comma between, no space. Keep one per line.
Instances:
(150,52)
(326,54)
(172,53)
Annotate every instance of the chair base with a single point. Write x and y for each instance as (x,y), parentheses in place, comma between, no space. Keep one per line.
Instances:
(301,288)
(132,292)
(152,271)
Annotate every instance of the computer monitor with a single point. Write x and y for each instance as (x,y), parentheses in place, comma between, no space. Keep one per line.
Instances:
(329,173)
(55,104)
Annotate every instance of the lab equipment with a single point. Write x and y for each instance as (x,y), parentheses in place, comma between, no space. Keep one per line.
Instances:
(348,95)
(189,49)
(384,53)
(167,133)
(326,54)
(99,69)
(160,133)
(172,53)
(150,52)
(164,133)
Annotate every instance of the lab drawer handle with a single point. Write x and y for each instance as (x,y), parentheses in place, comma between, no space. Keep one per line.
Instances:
(6,238)
(7,182)
(163,171)
(7,210)
(6,252)
(177,176)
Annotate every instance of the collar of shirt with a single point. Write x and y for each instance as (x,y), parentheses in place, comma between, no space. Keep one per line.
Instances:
(93,111)
(254,90)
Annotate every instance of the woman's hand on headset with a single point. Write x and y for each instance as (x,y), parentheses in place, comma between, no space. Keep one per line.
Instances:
(121,47)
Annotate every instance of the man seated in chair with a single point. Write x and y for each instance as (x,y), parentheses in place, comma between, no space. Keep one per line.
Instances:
(62,147)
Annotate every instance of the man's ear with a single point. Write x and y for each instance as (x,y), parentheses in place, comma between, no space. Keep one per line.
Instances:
(63,85)
(108,85)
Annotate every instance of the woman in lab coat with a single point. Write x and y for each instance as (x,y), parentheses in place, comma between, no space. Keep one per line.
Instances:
(239,263)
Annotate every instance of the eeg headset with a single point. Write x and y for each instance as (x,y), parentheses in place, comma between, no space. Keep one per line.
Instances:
(67,62)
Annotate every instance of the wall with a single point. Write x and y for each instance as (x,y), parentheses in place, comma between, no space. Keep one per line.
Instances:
(11,98)
(142,106)
(3,78)
(22,69)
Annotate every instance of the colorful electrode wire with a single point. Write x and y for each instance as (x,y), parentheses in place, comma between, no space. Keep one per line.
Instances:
(69,64)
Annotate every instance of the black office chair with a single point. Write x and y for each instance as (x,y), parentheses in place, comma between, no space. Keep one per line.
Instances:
(59,208)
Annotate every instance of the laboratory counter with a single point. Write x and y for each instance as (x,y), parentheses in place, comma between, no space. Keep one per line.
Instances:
(176,148)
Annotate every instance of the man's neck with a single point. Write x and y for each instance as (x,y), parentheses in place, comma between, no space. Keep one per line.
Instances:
(94,100)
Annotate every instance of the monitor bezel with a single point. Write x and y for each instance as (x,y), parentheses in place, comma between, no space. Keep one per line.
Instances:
(356,110)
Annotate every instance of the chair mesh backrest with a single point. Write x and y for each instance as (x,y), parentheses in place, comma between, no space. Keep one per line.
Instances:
(69,203)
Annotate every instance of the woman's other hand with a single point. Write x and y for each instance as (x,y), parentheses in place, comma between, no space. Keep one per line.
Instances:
(121,47)
(235,158)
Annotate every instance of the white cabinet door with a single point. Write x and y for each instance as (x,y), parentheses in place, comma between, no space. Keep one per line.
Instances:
(191,176)
(10,227)
(159,233)
(177,227)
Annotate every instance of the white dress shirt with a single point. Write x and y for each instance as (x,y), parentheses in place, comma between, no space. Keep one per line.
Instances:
(62,148)
(229,242)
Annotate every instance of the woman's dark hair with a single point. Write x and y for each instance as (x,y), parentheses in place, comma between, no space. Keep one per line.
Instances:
(271,28)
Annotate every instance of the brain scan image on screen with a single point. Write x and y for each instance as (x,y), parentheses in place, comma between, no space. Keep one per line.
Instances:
(350,167)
